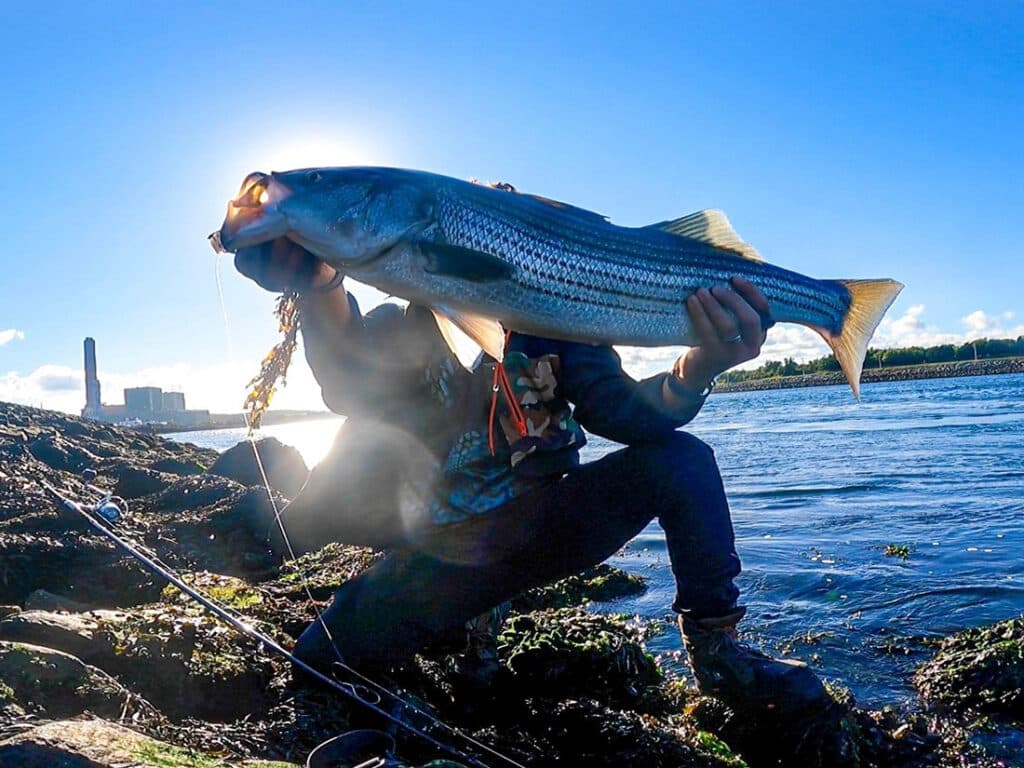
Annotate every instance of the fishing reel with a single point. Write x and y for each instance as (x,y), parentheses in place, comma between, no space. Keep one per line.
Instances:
(107,505)
(110,507)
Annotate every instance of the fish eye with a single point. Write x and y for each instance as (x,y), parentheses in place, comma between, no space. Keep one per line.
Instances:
(314,176)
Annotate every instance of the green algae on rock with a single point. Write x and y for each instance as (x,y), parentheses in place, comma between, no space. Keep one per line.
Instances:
(978,669)
(599,583)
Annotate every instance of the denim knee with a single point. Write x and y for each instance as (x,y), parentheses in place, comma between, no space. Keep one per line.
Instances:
(679,455)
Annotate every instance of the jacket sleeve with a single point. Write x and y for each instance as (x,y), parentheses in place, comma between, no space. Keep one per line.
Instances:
(610,403)
(373,365)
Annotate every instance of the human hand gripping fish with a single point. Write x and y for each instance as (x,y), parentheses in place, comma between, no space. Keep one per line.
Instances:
(486,260)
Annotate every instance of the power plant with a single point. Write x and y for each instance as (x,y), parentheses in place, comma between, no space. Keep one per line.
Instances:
(146,405)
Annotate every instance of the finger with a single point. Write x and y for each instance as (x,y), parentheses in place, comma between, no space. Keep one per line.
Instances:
(756,299)
(702,324)
(725,325)
(747,317)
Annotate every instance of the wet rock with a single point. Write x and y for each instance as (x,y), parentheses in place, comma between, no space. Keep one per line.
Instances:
(560,650)
(76,634)
(285,468)
(174,465)
(45,680)
(193,493)
(99,744)
(978,669)
(599,583)
(41,600)
(133,482)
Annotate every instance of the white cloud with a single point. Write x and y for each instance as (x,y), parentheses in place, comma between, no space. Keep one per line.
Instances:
(218,388)
(10,334)
(222,388)
(802,344)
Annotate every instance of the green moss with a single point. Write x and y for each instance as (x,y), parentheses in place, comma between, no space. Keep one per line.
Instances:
(572,650)
(715,746)
(322,571)
(226,590)
(981,668)
(600,583)
(159,755)
(6,692)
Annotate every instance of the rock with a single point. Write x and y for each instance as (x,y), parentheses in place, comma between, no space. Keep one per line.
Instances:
(182,659)
(41,600)
(59,453)
(600,583)
(77,634)
(283,464)
(568,648)
(978,669)
(99,744)
(59,684)
(133,482)
(176,466)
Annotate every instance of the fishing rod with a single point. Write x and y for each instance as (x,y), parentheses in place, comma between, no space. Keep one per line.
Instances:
(293,560)
(357,693)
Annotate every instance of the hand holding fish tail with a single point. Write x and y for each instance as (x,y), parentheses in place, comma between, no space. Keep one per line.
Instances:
(281,265)
(731,323)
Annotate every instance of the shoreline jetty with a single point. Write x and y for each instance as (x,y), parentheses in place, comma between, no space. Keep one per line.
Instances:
(890,373)
(102,664)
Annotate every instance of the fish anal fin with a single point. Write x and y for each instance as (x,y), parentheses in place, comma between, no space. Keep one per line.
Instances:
(466,334)
(711,227)
(869,300)
(464,263)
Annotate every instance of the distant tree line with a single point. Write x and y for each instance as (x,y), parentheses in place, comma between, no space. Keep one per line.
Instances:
(979,349)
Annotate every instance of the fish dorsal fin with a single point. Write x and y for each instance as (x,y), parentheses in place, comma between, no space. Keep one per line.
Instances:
(580,213)
(466,334)
(711,227)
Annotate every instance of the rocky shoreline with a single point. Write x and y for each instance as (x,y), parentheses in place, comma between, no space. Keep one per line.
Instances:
(894,373)
(104,665)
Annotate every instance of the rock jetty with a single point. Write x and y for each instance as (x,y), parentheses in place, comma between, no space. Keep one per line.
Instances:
(892,373)
(102,664)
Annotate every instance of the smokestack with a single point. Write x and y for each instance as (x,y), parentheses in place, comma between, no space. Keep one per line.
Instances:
(92,383)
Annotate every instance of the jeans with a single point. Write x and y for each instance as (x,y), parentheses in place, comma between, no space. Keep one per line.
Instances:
(446,575)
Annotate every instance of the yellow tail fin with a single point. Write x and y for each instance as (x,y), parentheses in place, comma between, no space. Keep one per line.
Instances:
(869,299)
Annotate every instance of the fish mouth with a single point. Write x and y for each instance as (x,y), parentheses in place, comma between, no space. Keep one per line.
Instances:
(253,217)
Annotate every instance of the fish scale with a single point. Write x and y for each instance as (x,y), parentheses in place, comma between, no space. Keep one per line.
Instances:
(584,270)
(480,256)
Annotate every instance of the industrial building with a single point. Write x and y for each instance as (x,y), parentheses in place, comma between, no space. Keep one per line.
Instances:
(147,405)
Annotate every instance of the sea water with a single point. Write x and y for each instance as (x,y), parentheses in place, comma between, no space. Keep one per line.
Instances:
(820,485)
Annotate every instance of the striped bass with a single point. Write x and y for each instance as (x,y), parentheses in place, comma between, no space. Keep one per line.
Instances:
(487,259)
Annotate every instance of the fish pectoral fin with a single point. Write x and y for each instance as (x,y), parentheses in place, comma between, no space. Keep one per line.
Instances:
(464,263)
(466,334)
(711,227)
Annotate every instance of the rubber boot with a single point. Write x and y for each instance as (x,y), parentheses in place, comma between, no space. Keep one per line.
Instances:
(742,677)
(478,665)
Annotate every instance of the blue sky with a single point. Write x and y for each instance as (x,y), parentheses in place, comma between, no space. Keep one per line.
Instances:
(843,140)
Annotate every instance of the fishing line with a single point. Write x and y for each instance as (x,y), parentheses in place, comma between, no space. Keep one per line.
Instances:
(340,662)
(235,619)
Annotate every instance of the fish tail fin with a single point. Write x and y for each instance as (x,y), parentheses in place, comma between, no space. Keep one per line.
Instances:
(869,300)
